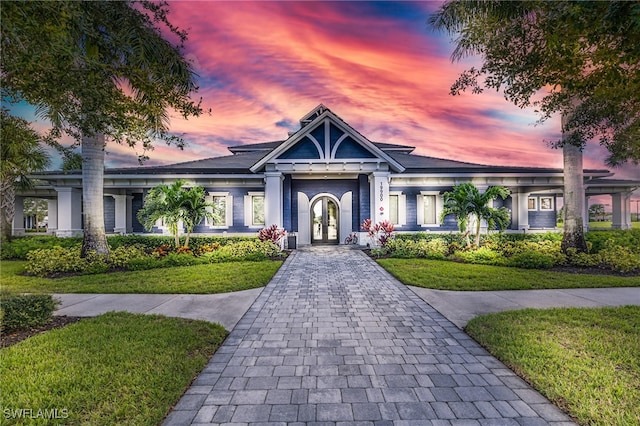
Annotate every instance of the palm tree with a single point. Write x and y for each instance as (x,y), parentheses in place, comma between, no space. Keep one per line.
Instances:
(164,202)
(195,209)
(480,209)
(466,200)
(21,154)
(457,203)
(596,210)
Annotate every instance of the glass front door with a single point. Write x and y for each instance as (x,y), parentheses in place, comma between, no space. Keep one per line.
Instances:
(324,221)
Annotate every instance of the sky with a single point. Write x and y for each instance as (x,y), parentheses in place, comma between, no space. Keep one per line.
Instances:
(263,65)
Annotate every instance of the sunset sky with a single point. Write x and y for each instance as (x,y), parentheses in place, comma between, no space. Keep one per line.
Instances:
(263,65)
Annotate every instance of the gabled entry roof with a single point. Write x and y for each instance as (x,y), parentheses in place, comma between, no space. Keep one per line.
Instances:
(324,138)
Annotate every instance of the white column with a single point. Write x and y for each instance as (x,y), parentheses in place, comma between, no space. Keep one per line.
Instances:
(122,216)
(69,212)
(585,213)
(52,216)
(379,187)
(273,199)
(18,217)
(522,218)
(346,215)
(129,220)
(621,210)
(304,219)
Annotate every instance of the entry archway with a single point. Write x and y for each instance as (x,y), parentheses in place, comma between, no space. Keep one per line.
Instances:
(325,226)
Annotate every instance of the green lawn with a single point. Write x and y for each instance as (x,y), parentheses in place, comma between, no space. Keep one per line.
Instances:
(117,368)
(585,360)
(607,225)
(446,275)
(198,279)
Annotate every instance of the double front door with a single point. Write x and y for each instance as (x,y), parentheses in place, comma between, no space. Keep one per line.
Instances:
(324,221)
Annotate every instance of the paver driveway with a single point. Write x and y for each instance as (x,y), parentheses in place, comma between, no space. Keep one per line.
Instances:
(335,340)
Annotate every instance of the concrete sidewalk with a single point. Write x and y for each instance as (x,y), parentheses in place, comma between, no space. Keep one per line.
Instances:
(225,309)
(457,306)
(461,306)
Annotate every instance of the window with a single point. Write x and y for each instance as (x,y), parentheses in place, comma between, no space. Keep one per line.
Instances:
(397,208)
(223,209)
(546,203)
(254,209)
(393,209)
(257,210)
(220,210)
(532,203)
(429,206)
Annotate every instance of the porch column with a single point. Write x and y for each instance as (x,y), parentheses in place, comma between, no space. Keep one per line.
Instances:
(123,223)
(379,188)
(520,211)
(585,213)
(69,212)
(18,217)
(273,199)
(621,210)
(52,215)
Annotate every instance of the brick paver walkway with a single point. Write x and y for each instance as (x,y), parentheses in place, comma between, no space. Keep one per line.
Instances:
(335,340)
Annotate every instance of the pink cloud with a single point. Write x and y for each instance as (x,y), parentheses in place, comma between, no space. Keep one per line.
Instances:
(383,71)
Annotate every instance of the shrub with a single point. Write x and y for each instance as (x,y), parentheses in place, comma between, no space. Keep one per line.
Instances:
(431,249)
(120,257)
(272,233)
(582,260)
(482,255)
(143,264)
(618,258)
(162,250)
(26,311)
(624,238)
(381,232)
(46,262)
(533,260)
(18,247)
(252,250)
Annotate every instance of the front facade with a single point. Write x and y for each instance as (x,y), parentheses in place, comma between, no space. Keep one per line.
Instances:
(320,184)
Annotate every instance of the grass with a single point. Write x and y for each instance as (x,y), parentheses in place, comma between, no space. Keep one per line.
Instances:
(117,368)
(198,279)
(607,225)
(446,275)
(585,360)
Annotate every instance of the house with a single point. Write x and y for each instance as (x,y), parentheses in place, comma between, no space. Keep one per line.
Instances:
(320,184)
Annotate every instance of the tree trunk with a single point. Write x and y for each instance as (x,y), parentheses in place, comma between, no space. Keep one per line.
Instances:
(95,238)
(7,206)
(573,236)
(478,223)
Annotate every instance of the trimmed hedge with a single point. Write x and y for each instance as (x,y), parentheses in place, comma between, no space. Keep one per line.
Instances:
(18,247)
(613,250)
(60,260)
(25,311)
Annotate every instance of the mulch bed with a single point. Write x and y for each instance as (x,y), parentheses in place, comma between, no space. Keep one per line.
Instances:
(8,339)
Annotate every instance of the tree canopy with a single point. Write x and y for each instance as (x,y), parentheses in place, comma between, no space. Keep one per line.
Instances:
(577,58)
(99,71)
(98,67)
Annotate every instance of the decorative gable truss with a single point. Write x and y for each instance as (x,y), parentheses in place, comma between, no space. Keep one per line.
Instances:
(326,143)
